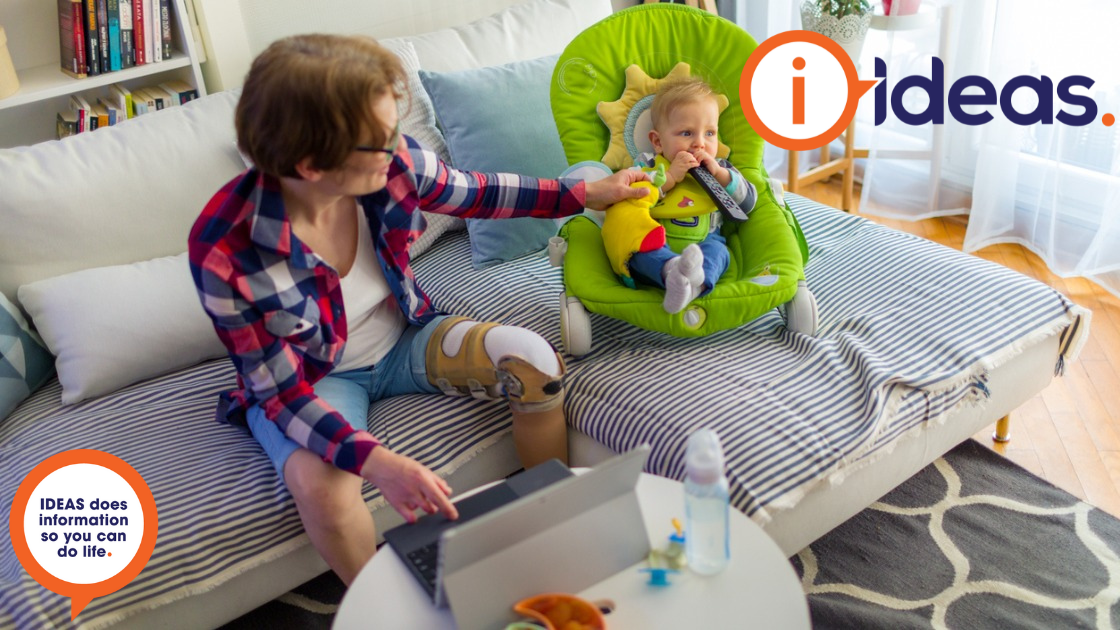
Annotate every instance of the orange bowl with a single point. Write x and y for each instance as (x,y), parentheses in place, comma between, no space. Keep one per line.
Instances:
(560,611)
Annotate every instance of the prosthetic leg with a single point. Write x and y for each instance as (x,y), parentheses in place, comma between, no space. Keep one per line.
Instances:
(489,361)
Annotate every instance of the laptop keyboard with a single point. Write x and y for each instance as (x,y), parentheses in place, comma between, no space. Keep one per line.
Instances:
(417,545)
(424,560)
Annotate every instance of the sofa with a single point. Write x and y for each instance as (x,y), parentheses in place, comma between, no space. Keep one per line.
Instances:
(919,348)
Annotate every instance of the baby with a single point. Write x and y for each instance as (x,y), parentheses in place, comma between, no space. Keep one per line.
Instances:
(685,117)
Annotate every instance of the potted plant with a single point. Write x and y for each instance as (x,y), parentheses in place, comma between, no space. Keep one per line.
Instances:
(901,7)
(843,21)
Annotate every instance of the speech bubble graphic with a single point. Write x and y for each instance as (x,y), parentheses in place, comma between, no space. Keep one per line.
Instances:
(799,90)
(83,524)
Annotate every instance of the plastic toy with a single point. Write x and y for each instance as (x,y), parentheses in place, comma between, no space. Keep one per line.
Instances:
(667,561)
(674,552)
(560,611)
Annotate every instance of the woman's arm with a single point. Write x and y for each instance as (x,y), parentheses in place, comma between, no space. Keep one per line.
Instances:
(471,194)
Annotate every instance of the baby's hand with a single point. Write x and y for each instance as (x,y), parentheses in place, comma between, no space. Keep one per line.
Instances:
(681,163)
(722,175)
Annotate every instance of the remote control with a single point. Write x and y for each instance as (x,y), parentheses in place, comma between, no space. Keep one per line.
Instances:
(717,192)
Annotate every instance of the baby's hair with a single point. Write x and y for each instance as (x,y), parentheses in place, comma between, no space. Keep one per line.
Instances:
(678,92)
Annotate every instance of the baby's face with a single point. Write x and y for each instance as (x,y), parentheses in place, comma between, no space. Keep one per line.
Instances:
(690,127)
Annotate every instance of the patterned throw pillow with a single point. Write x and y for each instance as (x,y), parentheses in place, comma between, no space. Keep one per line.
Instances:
(418,120)
(25,363)
(498,119)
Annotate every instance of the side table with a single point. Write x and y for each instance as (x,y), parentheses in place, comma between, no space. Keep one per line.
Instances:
(827,168)
(759,589)
(930,13)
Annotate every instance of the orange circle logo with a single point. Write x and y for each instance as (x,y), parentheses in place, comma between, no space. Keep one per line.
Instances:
(799,90)
(83,524)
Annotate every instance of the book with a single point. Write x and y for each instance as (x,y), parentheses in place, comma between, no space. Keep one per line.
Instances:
(103,33)
(165,27)
(122,98)
(116,114)
(79,102)
(93,45)
(152,101)
(128,45)
(67,124)
(140,103)
(81,112)
(182,90)
(138,33)
(113,8)
(102,115)
(170,98)
(151,31)
(72,38)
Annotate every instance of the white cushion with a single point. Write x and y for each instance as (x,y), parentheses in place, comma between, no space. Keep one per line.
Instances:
(123,194)
(521,32)
(418,119)
(113,326)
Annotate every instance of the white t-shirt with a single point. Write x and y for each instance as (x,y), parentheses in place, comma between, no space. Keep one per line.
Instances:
(373,320)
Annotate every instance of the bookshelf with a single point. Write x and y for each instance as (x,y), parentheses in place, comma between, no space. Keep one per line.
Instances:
(28,116)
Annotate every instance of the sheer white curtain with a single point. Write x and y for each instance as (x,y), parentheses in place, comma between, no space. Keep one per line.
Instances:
(917,172)
(1054,189)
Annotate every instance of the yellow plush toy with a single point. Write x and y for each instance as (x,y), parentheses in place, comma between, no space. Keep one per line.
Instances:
(629,228)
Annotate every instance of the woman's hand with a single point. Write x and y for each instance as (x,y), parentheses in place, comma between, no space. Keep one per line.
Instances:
(613,189)
(407,484)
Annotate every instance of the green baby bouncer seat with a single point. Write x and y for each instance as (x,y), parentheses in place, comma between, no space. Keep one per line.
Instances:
(602,87)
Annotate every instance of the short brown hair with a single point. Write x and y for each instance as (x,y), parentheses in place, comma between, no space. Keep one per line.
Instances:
(311,96)
(675,93)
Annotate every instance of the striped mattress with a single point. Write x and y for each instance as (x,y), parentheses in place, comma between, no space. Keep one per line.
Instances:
(909,331)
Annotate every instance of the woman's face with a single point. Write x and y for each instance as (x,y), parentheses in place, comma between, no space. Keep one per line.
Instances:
(367,171)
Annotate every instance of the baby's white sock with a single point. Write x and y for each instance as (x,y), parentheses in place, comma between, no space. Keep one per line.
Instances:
(684,279)
(692,267)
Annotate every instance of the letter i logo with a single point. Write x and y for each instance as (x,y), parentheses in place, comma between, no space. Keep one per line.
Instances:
(799,93)
(802,116)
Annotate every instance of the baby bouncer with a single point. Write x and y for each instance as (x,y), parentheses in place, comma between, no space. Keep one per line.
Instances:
(602,87)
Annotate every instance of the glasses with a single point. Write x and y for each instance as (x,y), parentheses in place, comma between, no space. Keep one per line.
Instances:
(389,148)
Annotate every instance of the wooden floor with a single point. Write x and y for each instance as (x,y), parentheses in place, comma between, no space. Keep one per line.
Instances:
(1070,433)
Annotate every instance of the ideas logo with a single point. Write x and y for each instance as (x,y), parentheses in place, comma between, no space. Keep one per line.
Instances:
(799,90)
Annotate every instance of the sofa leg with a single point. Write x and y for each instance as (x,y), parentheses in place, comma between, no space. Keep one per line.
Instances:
(1003,430)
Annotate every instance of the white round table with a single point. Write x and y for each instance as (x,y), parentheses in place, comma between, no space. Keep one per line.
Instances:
(759,589)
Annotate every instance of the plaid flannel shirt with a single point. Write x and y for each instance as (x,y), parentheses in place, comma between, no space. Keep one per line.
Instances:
(278,307)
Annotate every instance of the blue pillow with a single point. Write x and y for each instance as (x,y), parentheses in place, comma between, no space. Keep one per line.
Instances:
(25,363)
(498,119)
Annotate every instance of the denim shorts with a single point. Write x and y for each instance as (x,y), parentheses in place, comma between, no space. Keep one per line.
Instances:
(402,371)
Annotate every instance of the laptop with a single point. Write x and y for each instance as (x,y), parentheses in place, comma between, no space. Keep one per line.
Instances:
(564,536)
(417,544)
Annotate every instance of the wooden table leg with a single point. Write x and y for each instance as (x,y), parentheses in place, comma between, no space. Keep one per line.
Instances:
(850,167)
(1003,429)
(793,175)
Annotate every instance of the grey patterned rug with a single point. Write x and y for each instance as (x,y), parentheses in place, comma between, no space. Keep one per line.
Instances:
(972,541)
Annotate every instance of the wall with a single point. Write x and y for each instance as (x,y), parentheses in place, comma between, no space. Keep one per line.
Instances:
(234,31)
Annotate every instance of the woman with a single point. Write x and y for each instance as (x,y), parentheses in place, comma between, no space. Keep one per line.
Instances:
(302,263)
